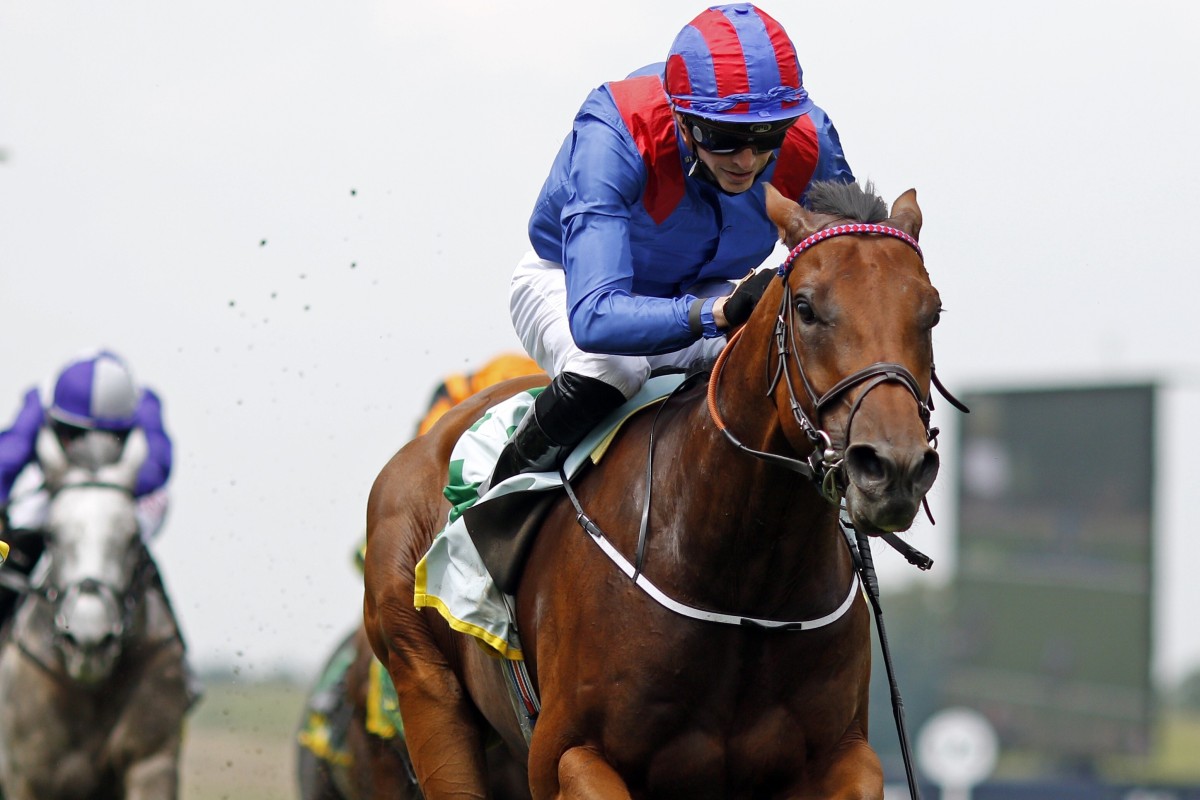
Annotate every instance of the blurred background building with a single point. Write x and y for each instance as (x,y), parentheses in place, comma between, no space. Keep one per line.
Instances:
(1046,626)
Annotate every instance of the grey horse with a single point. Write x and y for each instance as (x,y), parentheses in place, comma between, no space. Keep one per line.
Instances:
(93,690)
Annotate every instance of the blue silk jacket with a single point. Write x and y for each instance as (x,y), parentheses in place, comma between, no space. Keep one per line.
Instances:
(633,230)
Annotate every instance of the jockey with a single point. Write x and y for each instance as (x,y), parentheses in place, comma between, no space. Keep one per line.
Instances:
(653,206)
(93,407)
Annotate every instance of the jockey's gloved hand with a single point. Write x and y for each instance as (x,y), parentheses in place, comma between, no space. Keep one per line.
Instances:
(739,305)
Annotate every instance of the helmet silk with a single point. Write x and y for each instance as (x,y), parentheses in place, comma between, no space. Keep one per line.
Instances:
(736,64)
(96,392)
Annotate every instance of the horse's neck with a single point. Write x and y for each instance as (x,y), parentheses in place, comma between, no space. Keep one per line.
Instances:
(761,529)
(755,488)
(155,621)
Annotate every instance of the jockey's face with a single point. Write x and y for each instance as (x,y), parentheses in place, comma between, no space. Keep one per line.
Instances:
(88,448)
(735,172)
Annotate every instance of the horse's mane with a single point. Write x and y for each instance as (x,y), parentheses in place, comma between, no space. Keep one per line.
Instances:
(848,200)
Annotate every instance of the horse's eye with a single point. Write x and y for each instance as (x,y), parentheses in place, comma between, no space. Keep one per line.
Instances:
(937,317)
(805,310)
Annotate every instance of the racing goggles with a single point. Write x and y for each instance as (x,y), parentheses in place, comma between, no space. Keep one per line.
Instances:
(733,138)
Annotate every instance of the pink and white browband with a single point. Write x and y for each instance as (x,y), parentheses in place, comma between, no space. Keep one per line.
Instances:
(843,230)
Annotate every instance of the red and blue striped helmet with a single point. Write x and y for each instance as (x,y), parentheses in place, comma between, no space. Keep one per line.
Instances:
(735,64)
(96,392)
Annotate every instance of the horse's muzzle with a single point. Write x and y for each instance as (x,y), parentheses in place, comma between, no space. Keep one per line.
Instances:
(886,484)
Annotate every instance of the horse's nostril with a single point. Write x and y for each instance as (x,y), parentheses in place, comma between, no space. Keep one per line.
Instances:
(864,464)
(927,471)
(867,466)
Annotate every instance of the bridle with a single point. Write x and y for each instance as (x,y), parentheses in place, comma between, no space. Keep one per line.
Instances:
(124,601)
(823,466)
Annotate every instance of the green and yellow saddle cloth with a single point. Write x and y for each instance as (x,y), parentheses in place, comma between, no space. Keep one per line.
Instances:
(452,577)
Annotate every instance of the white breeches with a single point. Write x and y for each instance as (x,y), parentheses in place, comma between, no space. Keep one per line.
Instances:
(538,302)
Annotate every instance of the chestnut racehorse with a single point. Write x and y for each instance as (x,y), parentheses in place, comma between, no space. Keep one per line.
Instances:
(734,662)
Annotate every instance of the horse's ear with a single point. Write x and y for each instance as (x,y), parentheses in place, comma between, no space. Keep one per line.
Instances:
(52,459)
(792,220)
(125,471)
(906,214)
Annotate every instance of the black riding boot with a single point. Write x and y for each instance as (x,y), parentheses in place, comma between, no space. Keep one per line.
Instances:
(561,416)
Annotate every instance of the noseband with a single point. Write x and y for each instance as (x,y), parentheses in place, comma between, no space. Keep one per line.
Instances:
(824,465)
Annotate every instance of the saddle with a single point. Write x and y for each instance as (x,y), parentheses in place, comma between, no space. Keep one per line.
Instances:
(503,530)
(478,558)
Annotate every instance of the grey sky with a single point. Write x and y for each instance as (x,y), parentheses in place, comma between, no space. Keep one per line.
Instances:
(294,218)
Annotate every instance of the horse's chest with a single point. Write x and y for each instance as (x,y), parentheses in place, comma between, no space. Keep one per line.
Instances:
(754,762)
(736,724)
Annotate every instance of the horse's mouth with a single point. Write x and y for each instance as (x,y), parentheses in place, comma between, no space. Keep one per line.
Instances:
(870,529)
(89,666)
(876,516)
(90,674)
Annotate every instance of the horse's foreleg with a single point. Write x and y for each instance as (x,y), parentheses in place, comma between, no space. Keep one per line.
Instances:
(18,789)
(154,778)
(442,732)
(582,774)
(854,772)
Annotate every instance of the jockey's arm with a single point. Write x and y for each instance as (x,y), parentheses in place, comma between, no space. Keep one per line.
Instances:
(17,444)
(607,179)
(157,468)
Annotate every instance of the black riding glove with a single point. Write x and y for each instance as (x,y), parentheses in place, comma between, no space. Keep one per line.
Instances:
(746,296)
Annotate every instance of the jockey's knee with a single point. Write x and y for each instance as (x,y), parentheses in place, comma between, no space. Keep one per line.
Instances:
(624,373)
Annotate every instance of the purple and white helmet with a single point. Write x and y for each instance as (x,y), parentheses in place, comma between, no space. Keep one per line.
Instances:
(96,392)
